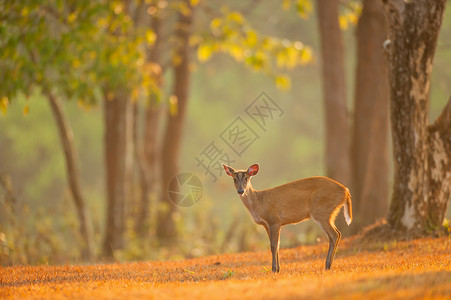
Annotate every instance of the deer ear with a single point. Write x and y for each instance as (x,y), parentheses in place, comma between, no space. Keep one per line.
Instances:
(253,170)
(229,170)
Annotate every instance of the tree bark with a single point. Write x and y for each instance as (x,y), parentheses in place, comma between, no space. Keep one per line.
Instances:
(334,94)
(73,175)
(118,160)
(439,171)
(166,229)
(421,154)
(369,152)
(149,150)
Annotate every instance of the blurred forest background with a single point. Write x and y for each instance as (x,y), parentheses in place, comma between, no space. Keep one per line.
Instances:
(148,89)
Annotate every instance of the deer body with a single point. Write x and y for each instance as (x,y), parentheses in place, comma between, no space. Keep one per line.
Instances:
(319,198)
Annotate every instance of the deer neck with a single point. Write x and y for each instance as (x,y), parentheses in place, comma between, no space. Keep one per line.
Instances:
(249,191)
(249,196)
(251,201)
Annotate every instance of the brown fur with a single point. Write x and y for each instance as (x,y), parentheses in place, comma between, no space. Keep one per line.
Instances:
(319,198)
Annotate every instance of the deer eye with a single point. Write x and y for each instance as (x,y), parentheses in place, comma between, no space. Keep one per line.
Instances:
(234,180)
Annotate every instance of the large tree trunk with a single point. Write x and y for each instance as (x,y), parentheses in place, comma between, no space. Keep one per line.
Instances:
(370,129)
(422,154)
(73,175)
(166,229)
(118,159)
(334,95)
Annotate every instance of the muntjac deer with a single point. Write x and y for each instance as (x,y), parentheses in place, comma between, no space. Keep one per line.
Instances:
(319,198)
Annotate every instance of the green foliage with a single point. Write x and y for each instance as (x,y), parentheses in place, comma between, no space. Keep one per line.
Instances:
(31,143)
(446,226)
(228,274)
(36,243)
(303,7)
(29,154)
(232,34)
(71,46)
(349,14)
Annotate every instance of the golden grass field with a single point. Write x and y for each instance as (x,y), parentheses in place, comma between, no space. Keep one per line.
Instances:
(418,269)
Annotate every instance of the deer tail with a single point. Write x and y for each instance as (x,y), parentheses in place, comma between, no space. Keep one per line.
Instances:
(348,207)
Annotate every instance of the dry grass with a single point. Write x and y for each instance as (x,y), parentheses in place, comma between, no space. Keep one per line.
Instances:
(394,270)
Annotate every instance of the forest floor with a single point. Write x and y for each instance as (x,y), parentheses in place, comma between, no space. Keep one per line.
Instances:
(413,269)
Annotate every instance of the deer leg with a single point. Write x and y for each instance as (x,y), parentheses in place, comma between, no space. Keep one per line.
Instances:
(338,239)
(334,237)
(274,235)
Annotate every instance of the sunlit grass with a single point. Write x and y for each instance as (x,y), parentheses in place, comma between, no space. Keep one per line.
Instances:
(415,269)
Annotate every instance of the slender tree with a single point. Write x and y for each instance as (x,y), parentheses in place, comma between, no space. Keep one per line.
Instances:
(147,151)
(166,229)
(334,92)
(72,170)
(119,124)
(422,153)
(117,151)
(97,41)
(369,151)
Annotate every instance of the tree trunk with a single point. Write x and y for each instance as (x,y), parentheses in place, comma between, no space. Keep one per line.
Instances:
(166,230)
(73,175)
(439,167)
(421,154)
(369,153)
(147,168)
(118,158)
(337,154)
(149,152)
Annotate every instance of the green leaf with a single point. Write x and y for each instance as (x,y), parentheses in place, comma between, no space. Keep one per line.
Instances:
(281,59)
(236,17)
(304,8)
(151,37)
(306,55)
(251,38)
(194,2)
(173,105)
(283,82)
(4,105)
(204,51)
(343,22)
(26,110)
(215,23)
(286,4)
